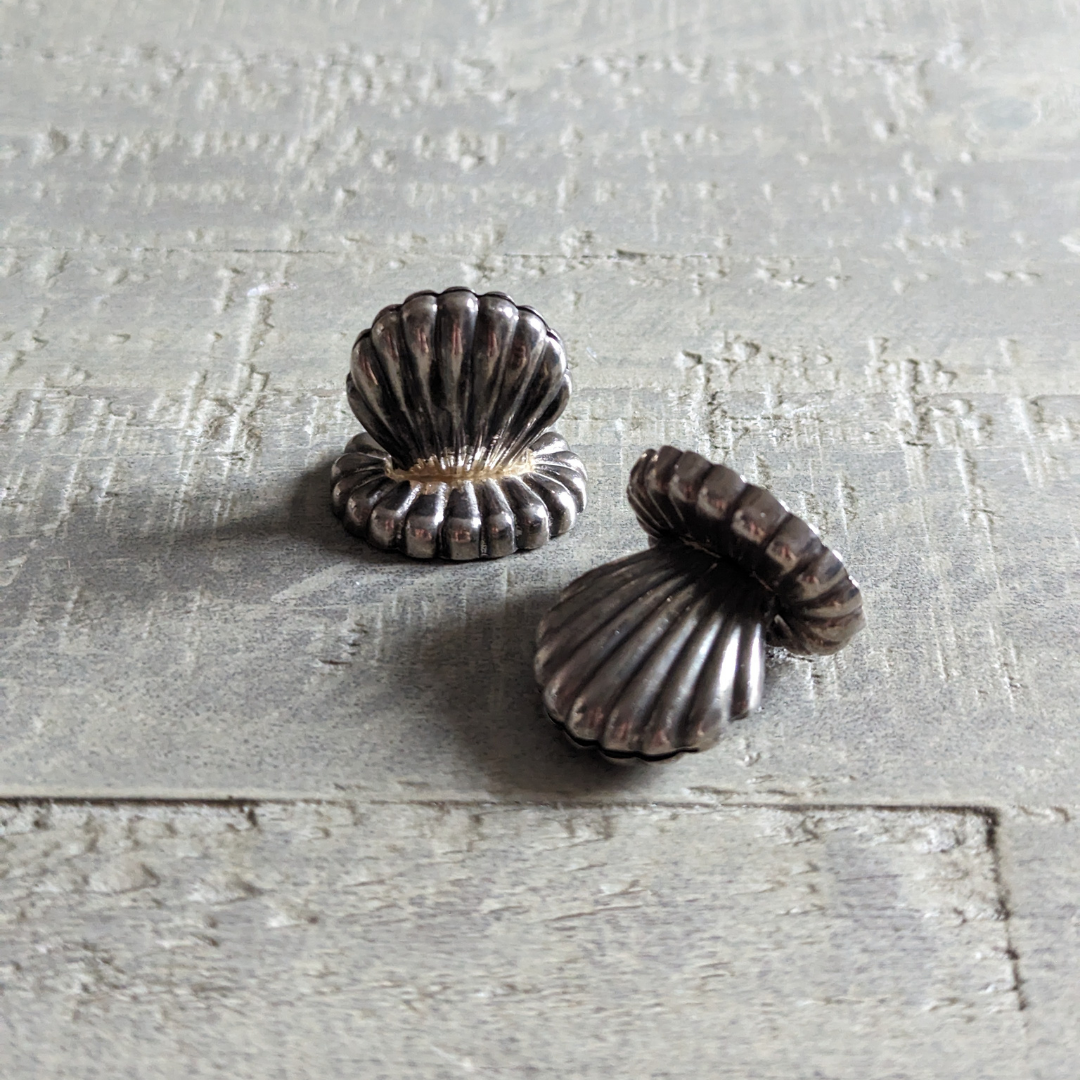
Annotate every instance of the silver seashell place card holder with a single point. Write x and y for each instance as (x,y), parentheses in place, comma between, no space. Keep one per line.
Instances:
(457,393)
(650,656)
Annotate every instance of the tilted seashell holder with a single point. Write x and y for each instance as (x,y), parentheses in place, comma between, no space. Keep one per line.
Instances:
(650,656)
(456,393)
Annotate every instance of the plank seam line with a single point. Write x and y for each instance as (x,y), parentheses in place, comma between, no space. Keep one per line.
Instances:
(990,815)
(988,812)
(992,818)
(618,256)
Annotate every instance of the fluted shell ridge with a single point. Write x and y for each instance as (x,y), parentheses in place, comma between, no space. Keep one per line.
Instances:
(457,392)
(457,379)
(652,655)
(484,517)
(682,496)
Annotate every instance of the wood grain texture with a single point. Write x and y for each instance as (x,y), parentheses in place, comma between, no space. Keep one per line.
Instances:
(835,244)
(171,555)
(440,941)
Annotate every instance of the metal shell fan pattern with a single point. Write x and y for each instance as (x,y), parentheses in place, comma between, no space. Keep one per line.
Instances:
(456,393)
(652,655)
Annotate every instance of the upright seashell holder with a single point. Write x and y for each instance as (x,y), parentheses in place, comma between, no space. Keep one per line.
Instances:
(650,656)
(456,393)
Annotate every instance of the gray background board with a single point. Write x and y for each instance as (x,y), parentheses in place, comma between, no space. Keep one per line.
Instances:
(507,941)
(171,558)
(834,244)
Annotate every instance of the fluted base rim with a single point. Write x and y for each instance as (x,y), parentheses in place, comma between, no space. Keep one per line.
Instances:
(462,519)
(618,757)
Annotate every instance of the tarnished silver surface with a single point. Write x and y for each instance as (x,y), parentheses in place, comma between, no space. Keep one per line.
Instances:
(651,655)
(456,393)
(682,496)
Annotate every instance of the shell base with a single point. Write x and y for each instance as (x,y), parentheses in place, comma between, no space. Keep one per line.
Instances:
(653,655)
(459,519)
(615,757)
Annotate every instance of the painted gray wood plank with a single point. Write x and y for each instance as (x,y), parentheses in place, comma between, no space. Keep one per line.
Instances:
(1039,849)
(454,940)
(836,244)
(839,130)
(183,613)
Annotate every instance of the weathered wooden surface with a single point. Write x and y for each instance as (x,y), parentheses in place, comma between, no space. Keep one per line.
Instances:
(836,244)
(487,940)
(1038,851)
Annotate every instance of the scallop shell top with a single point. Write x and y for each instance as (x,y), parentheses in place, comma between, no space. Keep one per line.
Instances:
(652,655)
(456,393)
(682,496)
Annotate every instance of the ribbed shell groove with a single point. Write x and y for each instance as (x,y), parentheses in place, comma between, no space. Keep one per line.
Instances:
(463,520)
(652,655)
(680,495)
(457,378)
(456,393)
